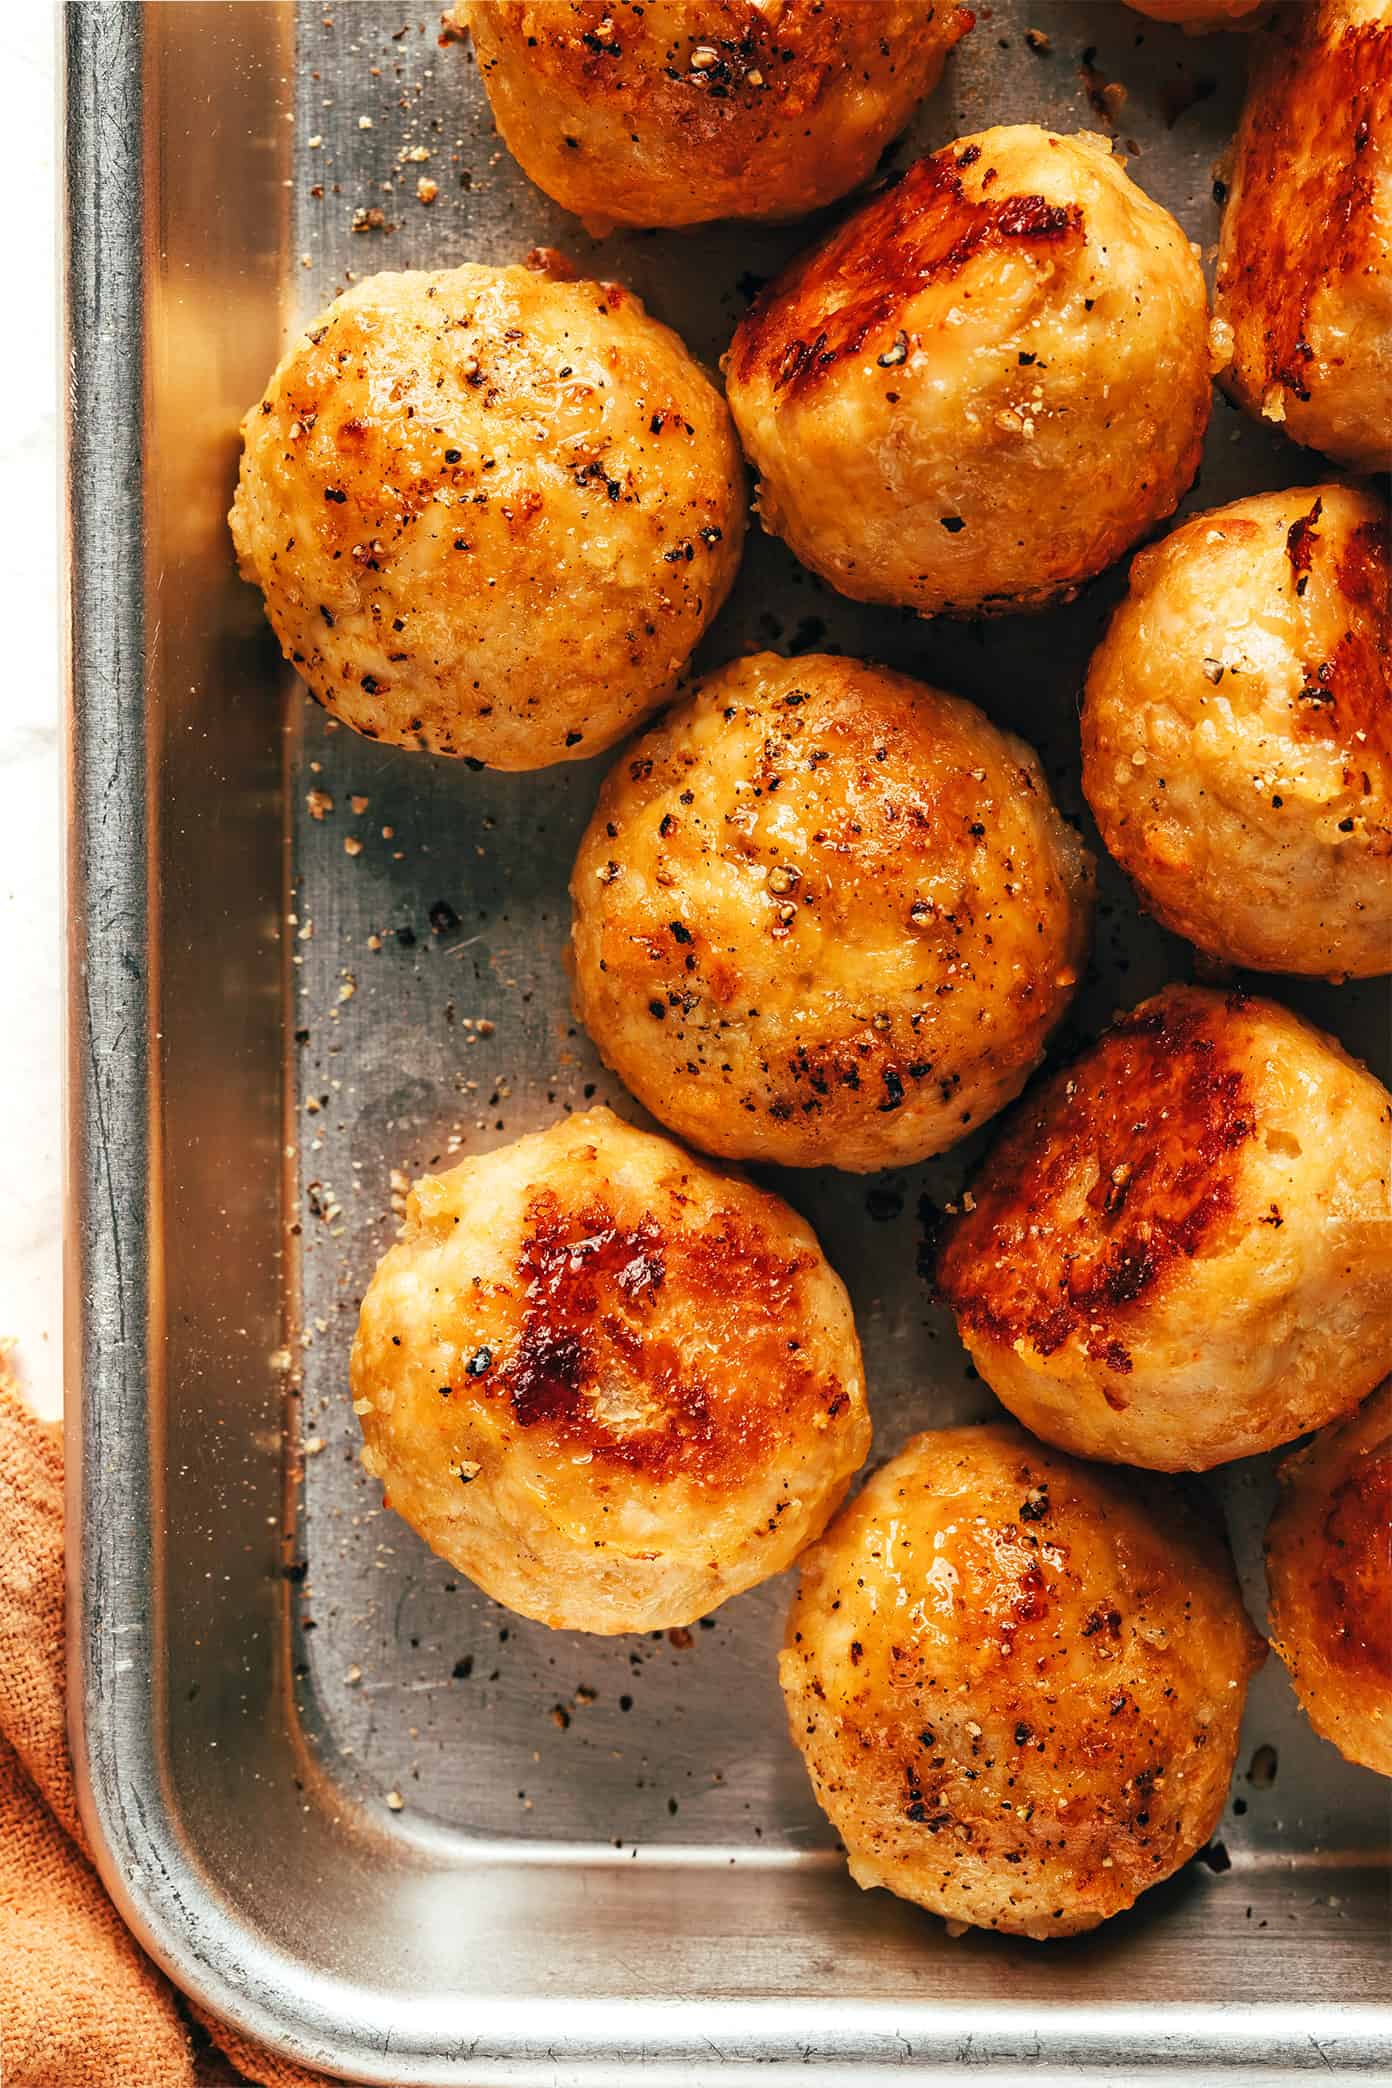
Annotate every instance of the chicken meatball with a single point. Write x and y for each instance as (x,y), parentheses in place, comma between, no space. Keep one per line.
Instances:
(981,389)
(1197,16)
(611,1385)
(1237,732)
(672,112)
(1303,301)
(1180,1252)
(490,512)
(1329,1565)
(824,915)
(1017,1681)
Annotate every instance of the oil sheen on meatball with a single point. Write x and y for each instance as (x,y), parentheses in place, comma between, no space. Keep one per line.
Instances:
(1329,1568)
(1303,303)
(825,915)
(610,1384)
(490,512)
(985,386)
(1016,1681)
(1180,1250)
(672,112)
(1237,732)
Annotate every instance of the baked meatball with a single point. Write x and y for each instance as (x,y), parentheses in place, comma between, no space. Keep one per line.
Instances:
(1180,1252)
(1303,302)
(1329,1566)
(1016,1681)
(1237,732)
(491,512)
(984,386)
(1197,16)
(671,112)
(611,1385)
(824,915)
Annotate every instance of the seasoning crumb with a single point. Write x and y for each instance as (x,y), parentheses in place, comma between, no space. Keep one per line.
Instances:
(1262,1772)
(352,845)
(427,190)
(319,802)
(395,1801)
(353,1676)
(364,123)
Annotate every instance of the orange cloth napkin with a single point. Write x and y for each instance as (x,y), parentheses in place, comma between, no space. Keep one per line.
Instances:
(80,2005)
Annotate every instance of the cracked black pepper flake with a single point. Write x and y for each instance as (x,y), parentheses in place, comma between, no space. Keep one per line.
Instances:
(894,1090)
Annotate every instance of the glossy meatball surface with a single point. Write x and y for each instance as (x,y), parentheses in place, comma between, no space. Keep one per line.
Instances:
(611,1385)
(1016,1681)
(673,112)
(985,386)
(825,915)
(1329,1568)
(1237,732)
(1180,1250)
(1303,304)
(490,512)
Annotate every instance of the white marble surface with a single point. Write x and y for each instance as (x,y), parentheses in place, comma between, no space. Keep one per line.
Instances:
(30,736)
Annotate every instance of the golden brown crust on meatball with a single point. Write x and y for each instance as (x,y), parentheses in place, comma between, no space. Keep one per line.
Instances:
(634,113)
(825,915)
(1303,306)
(1198,16)
(1017,1681)
(1180,1251)
(985,386)
(490,512)
(1329,1567)
(610,1384)
(1237,732)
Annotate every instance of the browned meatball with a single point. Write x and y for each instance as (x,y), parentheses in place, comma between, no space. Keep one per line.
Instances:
(609,1383)
(985,385)
(1303,305)
(1181,1250)
(1329,1564)
(1016,1681)
(825,915)
(490,512)
(1237,732)
(671,112)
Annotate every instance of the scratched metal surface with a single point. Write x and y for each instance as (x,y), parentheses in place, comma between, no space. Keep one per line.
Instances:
(586,1824)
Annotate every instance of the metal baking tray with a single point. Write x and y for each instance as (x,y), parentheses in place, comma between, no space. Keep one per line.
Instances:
(345,1800)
